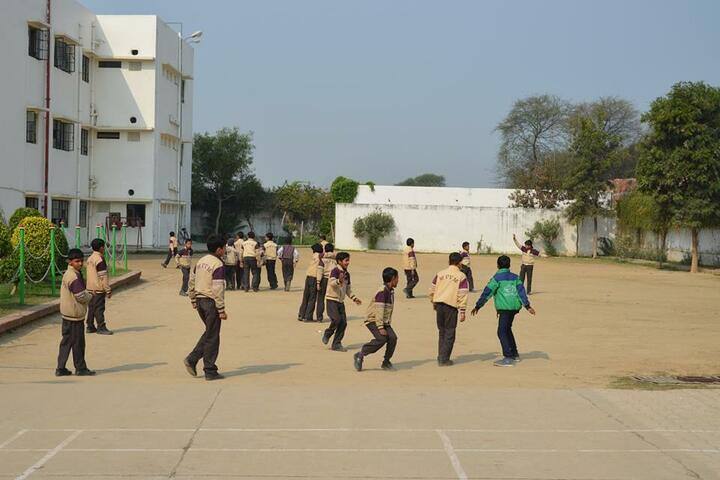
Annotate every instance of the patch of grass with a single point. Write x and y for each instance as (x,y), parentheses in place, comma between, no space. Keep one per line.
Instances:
(34,295)
(629,383)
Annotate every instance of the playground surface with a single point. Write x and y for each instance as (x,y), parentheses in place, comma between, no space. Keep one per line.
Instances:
(292,409)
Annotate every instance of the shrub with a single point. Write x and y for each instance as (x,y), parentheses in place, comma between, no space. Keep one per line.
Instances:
(344,190)
(37,251)
(625,246)
(19,215)
(5,247)
(373,226)
(548,231)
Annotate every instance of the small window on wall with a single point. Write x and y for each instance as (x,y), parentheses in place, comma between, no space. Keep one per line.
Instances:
(133,136)
(182,91)
(135,66)
(32,202)
(60,211)
(110,64)
(63,135)
(82,221)
(38,43)
(136,214)
(64,55)
(84,140)
(31,127)
(86,69)
(108,135)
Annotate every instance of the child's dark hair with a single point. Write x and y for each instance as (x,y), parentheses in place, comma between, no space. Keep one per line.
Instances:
(251,235)
(241,235)
(214,242)
(269,235)
(342,256)
(329,248)
(388,274)
(455,258)
(409,242)
(323,237)
(503,261)
(97,244)
(75,254)
(466,244)
(188,240)
(316,248)
(528,243)
(229,242)
(172,234)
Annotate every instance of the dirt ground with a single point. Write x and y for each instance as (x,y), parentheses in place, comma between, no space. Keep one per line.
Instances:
(292,408)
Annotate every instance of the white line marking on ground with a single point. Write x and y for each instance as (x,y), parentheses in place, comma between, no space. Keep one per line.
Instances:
(381,430)
(586,450)
(12,439)
(39,464)
(454,460)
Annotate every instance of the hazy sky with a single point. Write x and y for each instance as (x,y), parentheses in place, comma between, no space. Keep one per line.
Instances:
(386,89)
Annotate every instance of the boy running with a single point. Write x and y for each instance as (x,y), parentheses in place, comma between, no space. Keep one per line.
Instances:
(184,261)
(99,286)
(465,265)
(207,295)
(528,260)
(378,320)
(327,262)
(510,296)
(410,267)
(448,294)
(74,298)
(339,287)
(172,249)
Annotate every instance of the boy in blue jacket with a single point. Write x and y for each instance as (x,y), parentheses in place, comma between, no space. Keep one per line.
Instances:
(510,296)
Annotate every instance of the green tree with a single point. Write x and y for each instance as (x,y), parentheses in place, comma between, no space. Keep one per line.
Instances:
(548,231)
(533,141)
(19,215)
(680,159)
(373,226)
(344,190)
(424,180)
(302,203)
(222,170)
(587,182)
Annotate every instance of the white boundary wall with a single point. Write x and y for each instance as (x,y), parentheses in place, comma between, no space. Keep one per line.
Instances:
(440,219)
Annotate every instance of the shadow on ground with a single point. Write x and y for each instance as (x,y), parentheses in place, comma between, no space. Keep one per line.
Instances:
(130,367)
(138,329)
(260,369)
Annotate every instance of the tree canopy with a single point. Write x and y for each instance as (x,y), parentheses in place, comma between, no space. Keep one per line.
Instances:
(424,180)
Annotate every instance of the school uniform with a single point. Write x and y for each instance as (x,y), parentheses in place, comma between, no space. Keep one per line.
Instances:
(250,261)
(509,294)
(289,257)
(184,261)
(307,306)
(379,316)
(410,268)
(328,263)
(74,298)
(99,285)
(448,293)
(172,250)
(465,268)
(239,268)
(207,294)
(339,287)
(528,264)
(230,260)
(270,260)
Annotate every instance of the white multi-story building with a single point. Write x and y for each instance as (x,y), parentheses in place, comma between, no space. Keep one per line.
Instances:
(96,115)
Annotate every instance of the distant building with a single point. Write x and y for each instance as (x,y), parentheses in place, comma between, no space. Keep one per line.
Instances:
(116,139)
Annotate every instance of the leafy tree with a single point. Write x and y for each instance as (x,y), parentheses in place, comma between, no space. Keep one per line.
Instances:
(373,226)
(680,160)
(344,190)
(20,214)
(534,137)
(424,180)
(638,212)
(305,203)
(222,172)
(548,231)
(37,244)
(613,115)
(586,185)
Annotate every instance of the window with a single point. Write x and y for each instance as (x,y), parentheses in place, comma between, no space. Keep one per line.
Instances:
(60,210)
(84,137)
(82,221)
(135,66)
(37,43)
(32,202)
(63,135)
(133,136)
(110,64)
(31,127)
(136,214)
(86,69)
(64,55)
(108,135)
(182,91)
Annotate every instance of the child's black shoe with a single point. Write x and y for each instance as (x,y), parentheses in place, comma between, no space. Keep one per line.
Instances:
(387,365)
(358,361)
(213,376)
(62,372)
(85,372)
(191,369)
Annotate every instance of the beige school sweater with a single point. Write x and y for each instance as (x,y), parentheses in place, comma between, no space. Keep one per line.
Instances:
(528,253)
(380,310)
(409,259)
(450,286)
(74,297)
(249,246)
(328,264)
(270,250)
(97,274)
(314,269)
(207,280)
(184,257)
(465,257)
(231,256)
(339,286)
